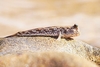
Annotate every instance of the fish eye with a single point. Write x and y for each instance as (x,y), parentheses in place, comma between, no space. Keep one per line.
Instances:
(74,27)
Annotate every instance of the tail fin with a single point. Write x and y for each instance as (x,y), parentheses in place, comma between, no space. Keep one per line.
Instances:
(11,36)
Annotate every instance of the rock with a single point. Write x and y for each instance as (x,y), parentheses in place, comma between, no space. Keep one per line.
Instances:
(44,59)
(40,44)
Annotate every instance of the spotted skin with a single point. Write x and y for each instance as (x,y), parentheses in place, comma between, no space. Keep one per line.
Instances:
(66,32)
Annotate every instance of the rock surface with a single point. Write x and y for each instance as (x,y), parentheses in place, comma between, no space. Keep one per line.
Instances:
(41,44)
(44,59)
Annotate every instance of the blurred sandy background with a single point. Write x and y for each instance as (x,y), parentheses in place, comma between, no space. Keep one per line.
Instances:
(18,15)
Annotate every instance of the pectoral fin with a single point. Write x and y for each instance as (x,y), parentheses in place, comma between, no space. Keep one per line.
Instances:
(59,36)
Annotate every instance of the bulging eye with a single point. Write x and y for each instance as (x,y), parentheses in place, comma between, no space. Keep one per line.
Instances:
(75,27)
